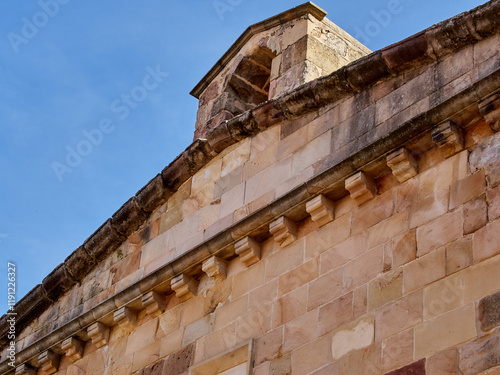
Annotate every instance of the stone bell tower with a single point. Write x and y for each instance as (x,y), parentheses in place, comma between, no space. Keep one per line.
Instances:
(271,58)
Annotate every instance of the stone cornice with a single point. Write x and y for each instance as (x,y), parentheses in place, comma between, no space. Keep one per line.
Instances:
(279,19)
(423,48)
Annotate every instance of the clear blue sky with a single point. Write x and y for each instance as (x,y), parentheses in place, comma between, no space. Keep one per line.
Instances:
(67,67)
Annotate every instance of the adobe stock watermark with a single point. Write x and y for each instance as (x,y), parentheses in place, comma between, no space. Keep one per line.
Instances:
(380,20)
(31,26)
(122,107)
(223,6)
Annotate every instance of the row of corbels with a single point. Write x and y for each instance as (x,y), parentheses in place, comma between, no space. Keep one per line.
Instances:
(361,187)
(48,361)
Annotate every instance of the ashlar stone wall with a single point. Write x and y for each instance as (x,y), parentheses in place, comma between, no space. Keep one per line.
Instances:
(361,237)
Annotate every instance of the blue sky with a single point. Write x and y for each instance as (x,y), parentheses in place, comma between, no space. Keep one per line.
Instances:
(72,83)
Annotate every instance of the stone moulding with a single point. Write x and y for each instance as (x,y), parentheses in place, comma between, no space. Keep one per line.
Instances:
(321,209)
(184,286)
(429,45)
(125,317)
(403,164)
(99,334)
(490,110)
(215,267)
(73,348)
(361,187)
(284,231)
(49,361)
(154,303)
(25,369)
(249,250)
(449,137)
(218,245)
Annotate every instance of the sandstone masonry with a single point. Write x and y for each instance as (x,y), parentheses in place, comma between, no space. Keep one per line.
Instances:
(337,213)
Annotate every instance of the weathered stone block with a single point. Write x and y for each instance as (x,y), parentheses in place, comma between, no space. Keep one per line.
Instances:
(385,288)
(458,255)
(448,137)
(486,241)
(489,312)
(215,268)
(219,137)
(493,199)
(57,282)
(361,187)
(403,164)
(486,155)
(311,356)
(416,368)
(25,369)
(439,232)
(154,303)
(335,314)
(490,110)
(326,288)
(128,217)
(179,362)
(444,363)
(198,329)
(443,296)
(103,242)
(398,316)
(300,331)
(407,53)
(397,350)
(153,194)
(368,70)
(355,336)
(475,215)
(480,354)
(153,369)
(424,270)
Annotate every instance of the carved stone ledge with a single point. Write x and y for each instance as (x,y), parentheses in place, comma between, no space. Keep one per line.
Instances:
(449,138)
(284,231)
(154,303)
(361,187)
(25,369)
(321,210)
(99,334)
(125,317)
(184,286)
(215,268)
(403,164)
(73,348)
(489,108)
(48,361)
(248,250)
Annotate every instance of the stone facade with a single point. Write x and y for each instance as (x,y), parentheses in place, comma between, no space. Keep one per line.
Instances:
(349,225)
